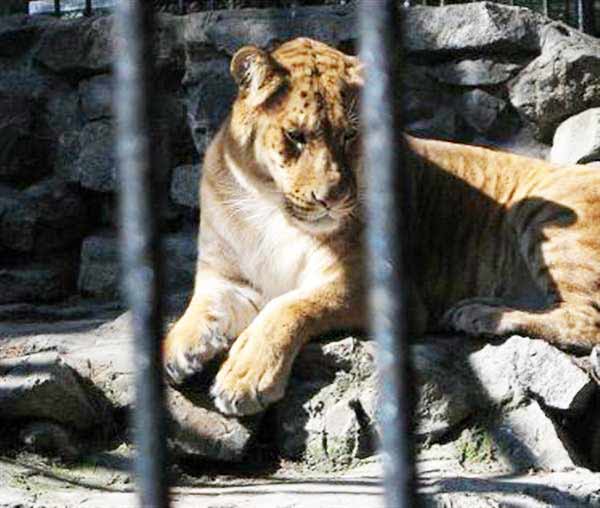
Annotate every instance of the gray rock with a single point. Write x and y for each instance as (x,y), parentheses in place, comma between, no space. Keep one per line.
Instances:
(526,438)
(577,139)
(444,124)
(104,358)
(446,395)
(99,271)
(99,274)
(200,432)
(96,97)
(185,185)
(80,46)
(210,91)
(328,414)
(228,31)
(563,81)
(45,217)
(38,281)
(84,46)
(481,110)
(483,27)
(19,33)
(96,166)
(518,368)
(42,386)
(480,72)
(21,155)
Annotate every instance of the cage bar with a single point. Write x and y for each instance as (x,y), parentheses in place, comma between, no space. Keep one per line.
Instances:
(57,7)
(140,239)
(386,186)
(88,8)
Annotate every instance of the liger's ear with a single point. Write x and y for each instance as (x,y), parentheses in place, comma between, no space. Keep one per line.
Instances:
(256,73)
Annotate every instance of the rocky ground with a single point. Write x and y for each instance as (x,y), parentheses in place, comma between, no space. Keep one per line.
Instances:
(511,423)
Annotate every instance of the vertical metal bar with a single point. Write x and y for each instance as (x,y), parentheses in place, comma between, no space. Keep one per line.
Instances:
(380,49)
(585,15)
(545,7)
(181,7)
(88,8)
(140,238)
(57,7)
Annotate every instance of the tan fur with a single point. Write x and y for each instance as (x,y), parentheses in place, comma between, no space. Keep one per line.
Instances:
(281,253)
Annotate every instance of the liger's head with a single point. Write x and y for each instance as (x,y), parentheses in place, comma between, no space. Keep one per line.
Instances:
(296,117)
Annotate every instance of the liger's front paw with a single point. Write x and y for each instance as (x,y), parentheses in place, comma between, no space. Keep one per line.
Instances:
(253,376)
(189,346)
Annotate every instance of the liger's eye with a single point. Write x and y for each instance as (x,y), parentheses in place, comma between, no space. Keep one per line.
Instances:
(297,138)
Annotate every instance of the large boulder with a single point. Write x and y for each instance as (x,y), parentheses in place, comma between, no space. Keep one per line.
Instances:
(563,81)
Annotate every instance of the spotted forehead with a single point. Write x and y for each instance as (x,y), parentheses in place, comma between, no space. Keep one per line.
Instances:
(317,74)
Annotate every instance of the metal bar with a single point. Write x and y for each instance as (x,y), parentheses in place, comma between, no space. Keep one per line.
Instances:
(585,16)
(386,191)
(545,7)
(140,209)
(181,5)
(88,8)
(57,7)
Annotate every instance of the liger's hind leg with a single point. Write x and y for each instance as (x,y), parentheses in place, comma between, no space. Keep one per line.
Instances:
(565,268)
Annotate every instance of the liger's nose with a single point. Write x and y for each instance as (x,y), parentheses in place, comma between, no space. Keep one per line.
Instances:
(327,197)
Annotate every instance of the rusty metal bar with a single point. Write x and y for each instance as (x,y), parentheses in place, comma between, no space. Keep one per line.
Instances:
(140,200)
(386,234)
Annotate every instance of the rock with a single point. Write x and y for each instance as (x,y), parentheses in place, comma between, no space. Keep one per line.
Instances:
(82,46)
(577,139)
(22,156)
(96,165)
(563,81)
(104,358)
(481,27)
(481,110)
(20,32)
(99,274)
(96,97)
(45,217)
(42,386)
(200,432)
(480,72)
(38,281)
(210,91)
(48,438)
(446,395)
(185,185)
(227,31)
(444,124)
(519,367)
(322,418)
(526,438)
